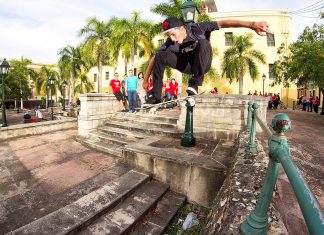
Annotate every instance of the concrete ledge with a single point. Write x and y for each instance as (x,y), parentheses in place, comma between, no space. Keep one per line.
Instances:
(187,172)
(239,193)
(221,116)
(26,129)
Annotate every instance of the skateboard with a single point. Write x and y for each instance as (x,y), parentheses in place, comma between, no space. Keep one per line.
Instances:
(156,106)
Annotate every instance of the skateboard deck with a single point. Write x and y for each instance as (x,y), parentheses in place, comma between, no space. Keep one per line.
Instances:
(149,106)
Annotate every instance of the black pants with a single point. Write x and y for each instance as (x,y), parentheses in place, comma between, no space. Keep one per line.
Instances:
(196,62)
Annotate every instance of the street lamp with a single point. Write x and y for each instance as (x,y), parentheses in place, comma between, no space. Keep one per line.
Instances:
(263,78)
(4,67)
(189,11)
(51,81)
(64,84)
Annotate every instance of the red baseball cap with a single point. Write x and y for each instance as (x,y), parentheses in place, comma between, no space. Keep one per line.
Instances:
(171,23)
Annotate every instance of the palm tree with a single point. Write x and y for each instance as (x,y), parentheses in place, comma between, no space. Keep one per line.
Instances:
(97,44)
(173,8)
(41,82)
(130,36)
(84,85)
(241,58)
(70,65)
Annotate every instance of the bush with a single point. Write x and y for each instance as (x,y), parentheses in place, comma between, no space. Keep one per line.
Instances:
(43,103)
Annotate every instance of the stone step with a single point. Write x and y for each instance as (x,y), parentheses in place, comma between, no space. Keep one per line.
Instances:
(146,116)
(88,208)
(109,139)
(144,128)
(146,123)
(123,133)
(121,219)
(113,149)
(157,220)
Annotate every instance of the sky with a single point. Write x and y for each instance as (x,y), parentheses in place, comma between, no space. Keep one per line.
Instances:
(37,29)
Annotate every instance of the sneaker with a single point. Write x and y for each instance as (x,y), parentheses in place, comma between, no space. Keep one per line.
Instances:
(192,90)
(152,100)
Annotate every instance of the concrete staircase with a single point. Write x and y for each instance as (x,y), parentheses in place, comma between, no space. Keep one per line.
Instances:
(151,143)
(125,128)
(114,209)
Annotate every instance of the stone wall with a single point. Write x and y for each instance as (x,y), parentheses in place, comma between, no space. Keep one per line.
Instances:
(26,129)
(95,109)
(221,116)
(240,191)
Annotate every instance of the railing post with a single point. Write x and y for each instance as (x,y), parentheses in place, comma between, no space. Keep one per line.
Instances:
(248,120)
(188,139)
(257,222)
(251,147)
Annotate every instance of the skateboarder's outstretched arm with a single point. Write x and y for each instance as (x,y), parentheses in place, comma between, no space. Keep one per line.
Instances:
(260,28)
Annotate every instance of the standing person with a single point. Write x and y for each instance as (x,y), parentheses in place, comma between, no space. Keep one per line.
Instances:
(310,103)
(123,84)
(316,103)
(131,87)
(214,91)
(304,101)
(167,93)
(188,50)
(173,91)
(115,86)
(140,90)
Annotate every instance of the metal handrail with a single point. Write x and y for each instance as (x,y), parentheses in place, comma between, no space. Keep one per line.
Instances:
(257,221)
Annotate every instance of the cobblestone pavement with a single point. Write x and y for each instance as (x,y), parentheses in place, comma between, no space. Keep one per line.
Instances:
(306,142)
(39,174)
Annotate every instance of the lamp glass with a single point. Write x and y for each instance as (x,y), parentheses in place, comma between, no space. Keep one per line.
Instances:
(189,11)
(4,67)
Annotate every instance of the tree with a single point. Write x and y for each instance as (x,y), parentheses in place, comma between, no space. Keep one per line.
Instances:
(83,84)
(305,61)
(17,81)
(130,36)
(97,44)
(70,65)
(241,58)
(41,82)
(173,8)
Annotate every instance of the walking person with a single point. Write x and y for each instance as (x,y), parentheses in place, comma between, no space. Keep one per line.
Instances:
(131,87)
(115,85)
(188,50)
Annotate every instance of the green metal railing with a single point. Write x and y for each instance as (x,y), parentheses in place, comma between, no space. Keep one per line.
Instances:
(257,221)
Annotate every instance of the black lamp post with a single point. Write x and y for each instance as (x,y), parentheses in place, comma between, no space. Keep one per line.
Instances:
(4,71)
(263,79)
(64,84)
(189,11)
(51,81)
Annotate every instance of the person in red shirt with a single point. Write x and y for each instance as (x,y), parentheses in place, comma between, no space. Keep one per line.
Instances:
(316,103)
(255,92)
(215,91)
(115,86)
(173,90)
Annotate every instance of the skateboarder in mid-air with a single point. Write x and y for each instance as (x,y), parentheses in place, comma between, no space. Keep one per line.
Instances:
(188,50)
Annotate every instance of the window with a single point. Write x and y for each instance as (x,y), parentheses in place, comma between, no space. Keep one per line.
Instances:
(107,75)
(95,77)
(161,41)
(228,39)
(270,40)
(271,73)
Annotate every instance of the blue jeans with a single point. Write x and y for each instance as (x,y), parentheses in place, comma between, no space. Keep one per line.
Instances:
(132,100)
